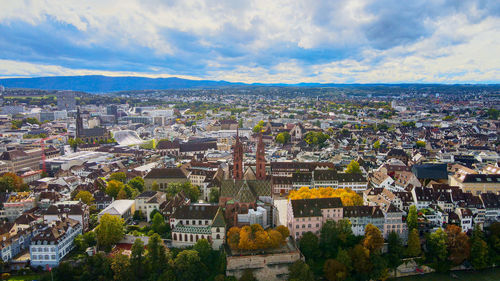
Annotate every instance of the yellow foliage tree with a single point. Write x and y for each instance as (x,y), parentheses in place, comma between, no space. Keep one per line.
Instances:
(246,241)
(233,237)
(276,238)
(346,195)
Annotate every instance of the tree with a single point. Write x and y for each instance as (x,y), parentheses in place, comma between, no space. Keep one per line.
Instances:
(86,197)
(420,143)
(316,138)
(74,143)
(300,271)
(334,270)
(258,128)
(348,197)
(283,137)
(285,232)
(373,238)
(353,168)
(122,194)
(137,183)
(360,257)
(137,260)
(479,250)
(204,249)
(457,244)
(437,253)
(153,214)
(158,222)
(333,235)
(109,231)
(191,191)
(412,218)
(156,255)
(11,182)
(155,186)
(119,176)
(376,145)
(309,246)
(138,215)
(113,187)
(394,250)
(414,248)
(121,267)
(188,266)
(213,196)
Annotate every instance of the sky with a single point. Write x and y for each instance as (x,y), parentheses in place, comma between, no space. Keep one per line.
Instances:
(265,41)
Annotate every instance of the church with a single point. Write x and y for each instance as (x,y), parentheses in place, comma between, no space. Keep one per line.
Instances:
(247,198)
(94,135)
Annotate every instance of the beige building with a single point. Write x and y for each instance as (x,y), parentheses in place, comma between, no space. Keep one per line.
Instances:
(476,183)
(16,160)
(164,176)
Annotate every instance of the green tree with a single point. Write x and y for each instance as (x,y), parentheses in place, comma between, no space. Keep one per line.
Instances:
(437,253)
(158,224)
(479,250)
(156,256)
(204,250)
(74,143)
(333,235)
(258,128)
(109,231)
(493,113)
(113,187)
(11,182)
(86,197)
(376,145)
(283,137)
(155,186)
(119,176)
(414,248)
(420,143)
(137,183)
(122,194)
(335,270)
(394,250)
(300,271)
(309,246)
(316,138)
(121,267)
(137,260)
(188,266)
(412,219)
(353,168)
(373,240)
(360,257)
(213,196)
(247,276)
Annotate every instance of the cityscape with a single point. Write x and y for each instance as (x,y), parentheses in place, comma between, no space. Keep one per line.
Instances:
(156,140)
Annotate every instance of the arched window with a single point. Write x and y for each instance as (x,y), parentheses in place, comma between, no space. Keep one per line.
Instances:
(185,237)
(175,236)
(197,237)
(191,237)
(218,236)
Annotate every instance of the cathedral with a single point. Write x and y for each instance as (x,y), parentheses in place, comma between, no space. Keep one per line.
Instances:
(94,135)
(246,191)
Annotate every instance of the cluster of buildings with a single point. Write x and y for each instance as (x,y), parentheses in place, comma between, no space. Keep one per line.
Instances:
(408,154)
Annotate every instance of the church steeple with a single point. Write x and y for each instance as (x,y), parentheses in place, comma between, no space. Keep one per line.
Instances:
(261,159)
(79,124)
(238,158)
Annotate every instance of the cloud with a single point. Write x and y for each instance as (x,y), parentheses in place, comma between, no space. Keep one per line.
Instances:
(280,41)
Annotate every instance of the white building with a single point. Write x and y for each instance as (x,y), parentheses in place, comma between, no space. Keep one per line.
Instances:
(121,208)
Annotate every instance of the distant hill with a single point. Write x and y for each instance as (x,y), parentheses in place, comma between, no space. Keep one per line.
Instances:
(105,84)
(102,84)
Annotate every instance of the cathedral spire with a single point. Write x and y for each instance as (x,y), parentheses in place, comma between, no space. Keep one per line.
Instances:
(238,158)
(261,159)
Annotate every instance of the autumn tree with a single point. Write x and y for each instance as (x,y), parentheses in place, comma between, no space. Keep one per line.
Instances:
(373,238)
(347,196)
(360,257)
(246,241)
(233,237)
(412,218)
(109,231)
(414,248)
(122,194)
(353,167)
(276,239)
(285,232)
(113,187)
(457,244)
(12,182)
(335,270)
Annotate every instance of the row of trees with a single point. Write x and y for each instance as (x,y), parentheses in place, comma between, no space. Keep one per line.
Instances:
(347,196)
(147,262)
(254,237)
(191,191)
(118,187)
(12,182)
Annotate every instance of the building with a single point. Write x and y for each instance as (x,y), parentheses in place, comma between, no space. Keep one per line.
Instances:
(121,208)
(75,210)
(164,176)
(17,160)
(53,241)
(148,201)
(94,135)
(360,216)
(16,204)
(306,215)
(477,183)
(189,223)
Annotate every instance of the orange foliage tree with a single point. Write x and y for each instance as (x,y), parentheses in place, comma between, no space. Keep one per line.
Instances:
(348,197)
(254,237)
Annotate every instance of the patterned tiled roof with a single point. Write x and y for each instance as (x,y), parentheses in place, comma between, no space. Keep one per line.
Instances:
(192,229)
(247,190)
